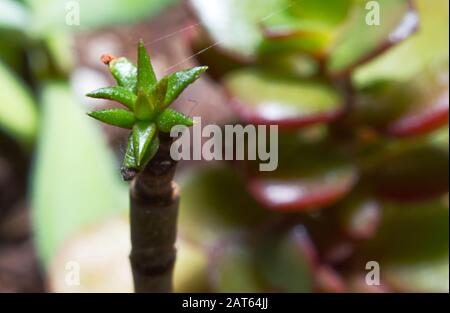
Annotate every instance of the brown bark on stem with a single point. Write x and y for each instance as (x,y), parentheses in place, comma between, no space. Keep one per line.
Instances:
(154,203)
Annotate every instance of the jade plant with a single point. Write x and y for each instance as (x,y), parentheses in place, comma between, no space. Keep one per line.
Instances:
(153,194)
(363,150)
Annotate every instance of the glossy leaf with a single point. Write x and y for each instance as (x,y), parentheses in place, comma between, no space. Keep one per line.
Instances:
(116,93)
(404,61)
(143,134)
(235,24)
(170,118)
(177,82)
(125,73)
(144,108)
(158,94)
(146,77)
(406,108)
(363,39)
(269,98)
(309,175)
(81,153)
(116,117)
(306,26)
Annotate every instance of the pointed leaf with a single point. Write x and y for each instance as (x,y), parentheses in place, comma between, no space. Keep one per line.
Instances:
(144,107)
(143,134)
(125,73)
(158,94)
(170,118)
(116,93)
(180,80)
(129,159)
(146,75)
(116,117)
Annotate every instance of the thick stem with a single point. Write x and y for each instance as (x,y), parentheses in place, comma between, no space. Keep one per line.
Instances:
(153,216)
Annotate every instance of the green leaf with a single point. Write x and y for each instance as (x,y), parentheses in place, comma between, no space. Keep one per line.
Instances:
(158,93)
(18,114)
(180,80)
(235,25)
(50,14)
(129,159)
(143,134)
(411,246)
(125,73)
(360,41)
(170,118)
(14,16)
(116,93)
(75,181)
(116,117)
(146,75)
(268,98)
(144,108)
(429,44)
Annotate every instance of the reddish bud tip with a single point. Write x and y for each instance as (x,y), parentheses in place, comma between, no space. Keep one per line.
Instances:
(107,58)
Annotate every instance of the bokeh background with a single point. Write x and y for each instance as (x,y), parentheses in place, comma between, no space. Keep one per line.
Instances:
(363,114)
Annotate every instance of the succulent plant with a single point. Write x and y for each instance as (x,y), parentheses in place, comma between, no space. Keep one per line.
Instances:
(147,102)
(363,152)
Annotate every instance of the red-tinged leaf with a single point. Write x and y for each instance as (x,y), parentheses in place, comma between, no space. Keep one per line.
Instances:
(407,108)
(363,39)
(269,98)
(308,176)
(413,174)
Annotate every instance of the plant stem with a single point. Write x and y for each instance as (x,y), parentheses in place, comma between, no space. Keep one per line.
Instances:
(154,202)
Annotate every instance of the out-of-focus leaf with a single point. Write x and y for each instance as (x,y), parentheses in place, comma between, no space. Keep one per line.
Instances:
(309,175)
(234,25)
(75,180)
(178,81)
(306,26)
(362,41)
(92,14)
(125,73)
(116,93)
(116,117)
(411,246)
(18,114)
(408,108)
(233,269)
(207,212)
(270,98)
(170,118)
(429,44)
(14,16)
(285,261)
(412,174)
